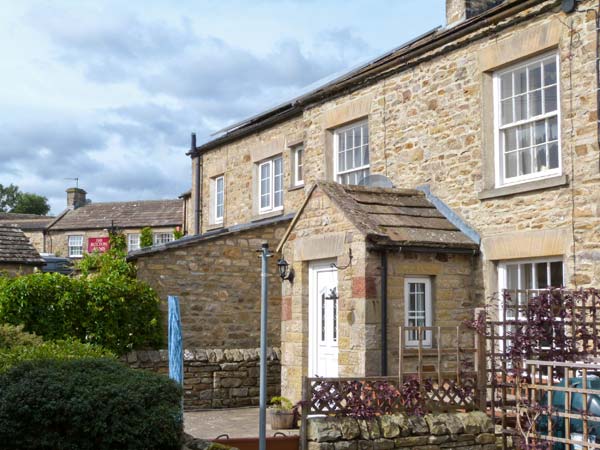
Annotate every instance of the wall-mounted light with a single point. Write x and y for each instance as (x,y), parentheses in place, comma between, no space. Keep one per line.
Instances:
(285,272)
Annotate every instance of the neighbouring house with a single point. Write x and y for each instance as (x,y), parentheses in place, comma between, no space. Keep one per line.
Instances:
(17,254)
(84,226)
(32,225)
(476,150)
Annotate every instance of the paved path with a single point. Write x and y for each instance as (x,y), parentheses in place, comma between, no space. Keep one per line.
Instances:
(238,422)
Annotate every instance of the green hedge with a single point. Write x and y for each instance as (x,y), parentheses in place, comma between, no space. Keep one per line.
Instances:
(109,308)
(58,350)
(88,404)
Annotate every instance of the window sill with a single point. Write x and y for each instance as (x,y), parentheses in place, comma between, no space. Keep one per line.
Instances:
(267,215)
(535,185)
(214,226)
(296,187)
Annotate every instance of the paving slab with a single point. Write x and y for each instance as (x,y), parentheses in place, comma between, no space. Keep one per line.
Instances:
(235,422)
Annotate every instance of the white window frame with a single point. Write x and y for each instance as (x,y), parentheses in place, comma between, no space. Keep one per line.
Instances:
(503,284)
(271,164)
(499,162)
(298,181)
(336,149)
(503,274)
(131,244)
(71,246)
(427,341)
(159,236)
(216,218)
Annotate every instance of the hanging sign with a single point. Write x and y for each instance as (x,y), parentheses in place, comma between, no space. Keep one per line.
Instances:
(100,244)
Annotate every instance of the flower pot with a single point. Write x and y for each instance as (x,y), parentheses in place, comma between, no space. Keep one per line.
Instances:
(281,419)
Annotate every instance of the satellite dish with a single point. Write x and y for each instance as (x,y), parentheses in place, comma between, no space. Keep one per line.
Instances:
(376,181)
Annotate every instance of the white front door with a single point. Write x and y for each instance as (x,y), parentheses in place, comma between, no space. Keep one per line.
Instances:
(323,320)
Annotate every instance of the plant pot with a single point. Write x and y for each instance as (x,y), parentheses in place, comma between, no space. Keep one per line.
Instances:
(281,419)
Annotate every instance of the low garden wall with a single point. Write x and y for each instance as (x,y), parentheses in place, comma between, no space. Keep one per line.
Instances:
(466,431)
(216,378)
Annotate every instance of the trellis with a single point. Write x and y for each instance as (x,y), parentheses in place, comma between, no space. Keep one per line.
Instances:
(560,325)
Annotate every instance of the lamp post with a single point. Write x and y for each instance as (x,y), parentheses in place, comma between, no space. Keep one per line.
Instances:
(262,418)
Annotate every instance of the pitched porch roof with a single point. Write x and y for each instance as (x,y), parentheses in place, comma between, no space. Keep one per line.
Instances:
(15,248)
(392,217)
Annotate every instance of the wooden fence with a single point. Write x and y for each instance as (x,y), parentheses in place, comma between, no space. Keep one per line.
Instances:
(565,325)
(438,373)
(555,397)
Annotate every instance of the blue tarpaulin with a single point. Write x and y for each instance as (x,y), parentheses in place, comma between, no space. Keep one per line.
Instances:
(175,341)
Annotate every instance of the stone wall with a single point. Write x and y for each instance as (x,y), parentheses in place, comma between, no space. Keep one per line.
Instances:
(216,378)
(13,270)
(217,279)
(466,431)
(37,239)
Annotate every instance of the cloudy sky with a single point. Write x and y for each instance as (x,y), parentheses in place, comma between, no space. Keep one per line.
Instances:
(109,91)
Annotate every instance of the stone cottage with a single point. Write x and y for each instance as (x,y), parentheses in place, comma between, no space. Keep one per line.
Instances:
(17,254)
(84,226)
(475,148)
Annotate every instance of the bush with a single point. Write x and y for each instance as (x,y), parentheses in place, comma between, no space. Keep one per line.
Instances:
(65,349)
(88,404)
(13,336)
(146,237)
(108,308)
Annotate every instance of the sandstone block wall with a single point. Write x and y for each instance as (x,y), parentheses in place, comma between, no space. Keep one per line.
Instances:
(37,239)
(217,280)
(465,431)
(216,378)
(13,270)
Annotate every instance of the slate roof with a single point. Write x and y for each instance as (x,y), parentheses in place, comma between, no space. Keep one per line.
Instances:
(26,222)
(135,214)
(395,217)
(15,248)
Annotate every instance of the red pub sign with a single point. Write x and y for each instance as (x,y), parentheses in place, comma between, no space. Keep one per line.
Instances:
(100,244)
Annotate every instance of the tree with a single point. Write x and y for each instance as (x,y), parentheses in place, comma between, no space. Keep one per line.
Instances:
(28,203)
(8,197)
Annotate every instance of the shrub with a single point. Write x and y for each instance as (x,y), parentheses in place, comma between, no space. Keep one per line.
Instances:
(13,335)
(177,233)
(109,308)
(88,404)
(146,237)
(65,349)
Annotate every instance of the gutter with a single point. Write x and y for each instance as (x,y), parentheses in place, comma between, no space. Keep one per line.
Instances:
(371,73)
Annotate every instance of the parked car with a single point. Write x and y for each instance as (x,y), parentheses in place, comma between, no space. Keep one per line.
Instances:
(57,264)
(576,425)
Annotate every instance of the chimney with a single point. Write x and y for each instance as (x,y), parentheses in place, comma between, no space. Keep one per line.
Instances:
(75,198)
(459,10)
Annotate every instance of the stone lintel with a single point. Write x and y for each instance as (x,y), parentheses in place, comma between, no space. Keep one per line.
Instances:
(328,245)
(347,112)
(267,149)
(526,244)
(519,45)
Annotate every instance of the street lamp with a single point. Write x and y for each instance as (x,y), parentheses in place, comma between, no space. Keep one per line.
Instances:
(284,273)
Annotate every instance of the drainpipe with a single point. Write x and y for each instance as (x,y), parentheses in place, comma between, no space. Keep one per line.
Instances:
(384,346)
(197,189)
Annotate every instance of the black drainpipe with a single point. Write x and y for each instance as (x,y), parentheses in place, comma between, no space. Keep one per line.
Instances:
(196,193)
(384,276)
